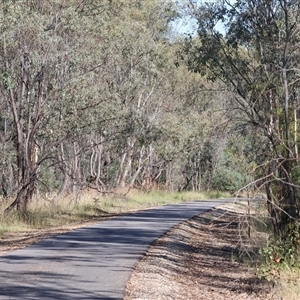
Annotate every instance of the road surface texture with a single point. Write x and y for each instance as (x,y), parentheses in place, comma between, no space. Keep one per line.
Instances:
(93,262)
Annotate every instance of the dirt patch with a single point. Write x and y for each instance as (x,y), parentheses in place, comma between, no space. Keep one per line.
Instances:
(198,259)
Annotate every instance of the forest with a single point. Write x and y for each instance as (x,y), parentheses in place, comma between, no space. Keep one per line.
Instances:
(92,97)
(101,95)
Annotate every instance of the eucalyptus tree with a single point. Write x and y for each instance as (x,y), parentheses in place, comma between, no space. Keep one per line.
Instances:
(81,84)
(135,76)
(45,84)
(90,96)
(186,123)
(257,58)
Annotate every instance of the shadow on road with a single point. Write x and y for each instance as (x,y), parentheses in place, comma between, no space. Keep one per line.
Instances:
(94,262)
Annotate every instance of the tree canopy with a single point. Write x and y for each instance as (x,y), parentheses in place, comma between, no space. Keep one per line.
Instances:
(91,98)
(257,59)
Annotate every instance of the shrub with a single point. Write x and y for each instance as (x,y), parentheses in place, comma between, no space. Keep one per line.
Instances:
(229,180)
(280,253)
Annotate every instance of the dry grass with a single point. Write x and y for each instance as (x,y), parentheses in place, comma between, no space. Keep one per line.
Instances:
(290,285)
(46,218)
(87,206)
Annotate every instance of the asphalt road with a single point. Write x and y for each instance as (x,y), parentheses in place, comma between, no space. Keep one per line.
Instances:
(93,262)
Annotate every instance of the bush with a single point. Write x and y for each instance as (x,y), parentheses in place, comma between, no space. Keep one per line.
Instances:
(281,253)
(229,180)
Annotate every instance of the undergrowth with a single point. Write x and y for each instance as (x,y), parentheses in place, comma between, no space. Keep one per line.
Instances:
(278,259)
(280,254)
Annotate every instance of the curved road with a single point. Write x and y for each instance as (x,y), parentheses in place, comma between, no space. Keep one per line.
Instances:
(93,262)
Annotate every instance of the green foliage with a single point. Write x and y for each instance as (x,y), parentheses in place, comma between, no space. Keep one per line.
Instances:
(228,180)
(232,172)
(258,67)
(280,254)
(48,180)
(92,99)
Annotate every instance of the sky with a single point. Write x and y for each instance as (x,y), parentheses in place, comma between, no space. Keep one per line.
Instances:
(188,25)
(185,26)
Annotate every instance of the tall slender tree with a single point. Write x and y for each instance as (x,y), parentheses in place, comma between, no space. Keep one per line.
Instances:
(257,58)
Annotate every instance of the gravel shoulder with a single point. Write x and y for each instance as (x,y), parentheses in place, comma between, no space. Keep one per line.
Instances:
(198,259)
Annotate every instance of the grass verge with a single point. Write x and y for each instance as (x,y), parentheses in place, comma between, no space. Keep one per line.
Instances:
(90,206)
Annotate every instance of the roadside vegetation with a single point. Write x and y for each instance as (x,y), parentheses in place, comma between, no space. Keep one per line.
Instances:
(256,56)
(258,248)
(102,97)
(46,214)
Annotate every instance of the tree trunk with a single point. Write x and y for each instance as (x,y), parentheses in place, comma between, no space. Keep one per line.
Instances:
(128,163)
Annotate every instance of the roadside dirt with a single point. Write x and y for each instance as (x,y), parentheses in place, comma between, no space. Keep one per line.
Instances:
(198,259)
